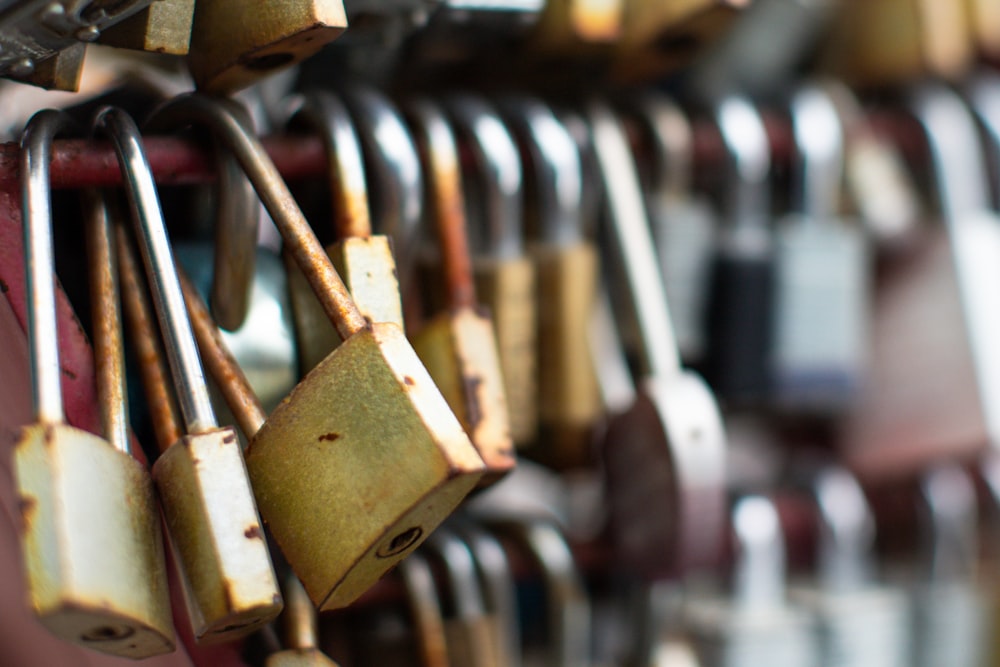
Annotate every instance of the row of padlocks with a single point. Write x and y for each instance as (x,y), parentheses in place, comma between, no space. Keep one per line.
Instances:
(606,333)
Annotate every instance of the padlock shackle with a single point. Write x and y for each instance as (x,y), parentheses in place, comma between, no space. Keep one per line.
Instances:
(300,241)
(633,242)
(157,256)
(759,571)
(105,304)
(425,607)
(39,262)
(665,122)
(221,365)
(555,162)
(950,517)
(745,140)
(498,172)
(460,571)
(299,618)
(819,148)
(983,94)
(442,171)
(327,115)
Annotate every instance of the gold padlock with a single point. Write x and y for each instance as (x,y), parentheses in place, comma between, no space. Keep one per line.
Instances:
(566,266)
(459,345)
(162,27)
(366,431)
(504,275)
(202,481)
(985,18)
(235,43)
(301,636)
(363,259)
(571,26)
(90,535)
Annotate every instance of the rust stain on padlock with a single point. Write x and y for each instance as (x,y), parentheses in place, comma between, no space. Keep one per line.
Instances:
(253,532)
(26,507)
(474,411)
(329,437)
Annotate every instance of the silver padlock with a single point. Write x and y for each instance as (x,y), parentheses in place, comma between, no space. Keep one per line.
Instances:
(755,626)
(860,623)
(822,273)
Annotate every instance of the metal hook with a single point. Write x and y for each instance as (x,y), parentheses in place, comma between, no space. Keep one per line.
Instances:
(746,143)
(819,140)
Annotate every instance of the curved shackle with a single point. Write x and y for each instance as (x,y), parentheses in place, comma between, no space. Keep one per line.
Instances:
(327,115)
(819,144)
(446,202)
(39,261)
(191,390)
(498,172)
(217,115)
(956,152)
(949,523)
(983,93)
(673,143)
(460,571)
(425,607)
(299,617)
(555,163)
(759,572)
(396,178)
(746,143)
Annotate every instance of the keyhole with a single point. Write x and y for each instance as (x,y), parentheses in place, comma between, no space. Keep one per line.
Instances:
(104,633)
(401,542)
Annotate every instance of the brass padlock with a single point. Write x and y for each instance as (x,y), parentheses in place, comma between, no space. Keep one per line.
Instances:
(162,27)
(459,346)
(568,27)
(363,259)
(984,15)
(301,636)
(566,274)
(235,43)
(230,586)
(504,275)
(366,431)
(90,533)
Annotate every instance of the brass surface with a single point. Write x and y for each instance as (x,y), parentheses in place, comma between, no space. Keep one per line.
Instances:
(162,27)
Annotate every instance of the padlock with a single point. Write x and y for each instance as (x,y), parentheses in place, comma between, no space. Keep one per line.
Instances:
(466,625)
(860,623)
(822,274)
(984,17)
(989,472)
(371,389)
(659,639)
(932,392)
(575,27)
(755,626)
(301,635)
(234,44)
(459,346)
(207,502)
(566,272)
(668,449)
(741,295)
(683,224)
(164,26)
(982,92)
(928,38)
(363,259)
(951,616)
(90,534)
(425,608)
(504,275)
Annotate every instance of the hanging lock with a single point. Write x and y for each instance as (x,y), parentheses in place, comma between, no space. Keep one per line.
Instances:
(860,624)
(163,26)
(90,535)
(566,272)
(234,44)
(504,276)
(315,450)
(459,346)
(741,296)
(668,449)
(364,260)
(756,627)
(984,17)
(822,273)
(207,502)
(301,635)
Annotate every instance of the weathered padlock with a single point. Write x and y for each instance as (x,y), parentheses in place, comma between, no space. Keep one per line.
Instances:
(741,296)
(504,275)
(234,44)
(668,448)
(574,27)
(90,534)
(207,502)
(860,623)
(316,449)
(466,625)
(425,608)
(756,626)
(301,635)
(822,273)
(164,26)
(984,17)
(566,273)
(459,346)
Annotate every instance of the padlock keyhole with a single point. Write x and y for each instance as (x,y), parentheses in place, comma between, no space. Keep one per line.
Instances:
(401,542)
(106,633)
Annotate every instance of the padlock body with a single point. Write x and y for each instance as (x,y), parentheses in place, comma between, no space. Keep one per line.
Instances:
(303,657)
(507,288)
(460,353)
(369,271)
(469,642)
(359,464)
(950,625)
(726,636)
(230,586)
(569,398)
(91,543)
